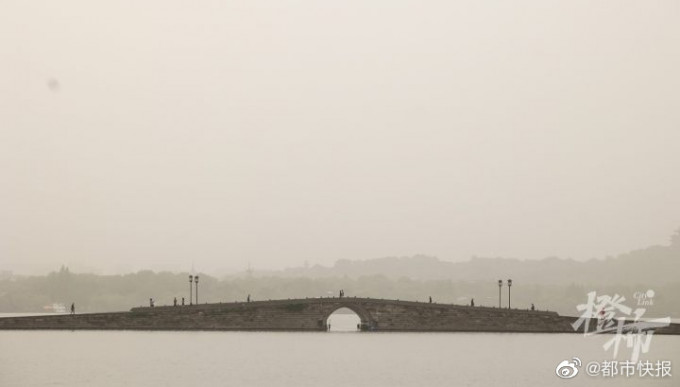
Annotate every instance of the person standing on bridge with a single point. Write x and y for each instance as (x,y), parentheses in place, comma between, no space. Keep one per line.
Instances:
(430,299)
(249,298)
(174,302)
(73,308)
(182,301)
(472,302)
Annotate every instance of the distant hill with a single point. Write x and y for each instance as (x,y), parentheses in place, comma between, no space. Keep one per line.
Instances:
(655,265)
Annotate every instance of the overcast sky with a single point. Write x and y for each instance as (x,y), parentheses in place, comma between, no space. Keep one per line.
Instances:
(150,134)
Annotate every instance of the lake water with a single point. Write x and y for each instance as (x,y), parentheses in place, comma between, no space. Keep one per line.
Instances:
(344,358)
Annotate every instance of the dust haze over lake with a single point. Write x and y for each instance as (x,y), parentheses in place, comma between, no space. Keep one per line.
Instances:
(291,148)
(272,133)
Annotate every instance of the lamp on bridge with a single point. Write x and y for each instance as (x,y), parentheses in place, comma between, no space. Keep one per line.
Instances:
(509,285)
(191,289)
(196,280)
(500,285)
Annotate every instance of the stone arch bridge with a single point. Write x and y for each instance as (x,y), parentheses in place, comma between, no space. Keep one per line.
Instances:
(310,314)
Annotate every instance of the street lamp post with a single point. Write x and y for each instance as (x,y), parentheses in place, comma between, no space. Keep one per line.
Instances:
(500,285)
(509,285)
(191,289)
(196,280)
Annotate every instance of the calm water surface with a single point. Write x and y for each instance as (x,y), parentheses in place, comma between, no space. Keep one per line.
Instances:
(174,359)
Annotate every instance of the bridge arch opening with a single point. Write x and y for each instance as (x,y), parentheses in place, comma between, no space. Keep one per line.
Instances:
(343,320)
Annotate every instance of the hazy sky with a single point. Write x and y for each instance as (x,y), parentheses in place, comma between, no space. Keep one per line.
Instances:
(150,134)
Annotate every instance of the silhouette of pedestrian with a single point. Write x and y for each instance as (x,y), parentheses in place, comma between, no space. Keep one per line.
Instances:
(151,302)
(182,301)
(472,302)
(249,298)
(174,302)
(532,307)
(73,308)
(430,299)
